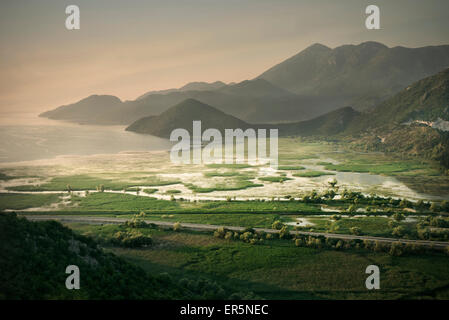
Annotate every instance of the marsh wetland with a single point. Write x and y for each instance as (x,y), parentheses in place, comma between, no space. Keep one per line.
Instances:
(318,187)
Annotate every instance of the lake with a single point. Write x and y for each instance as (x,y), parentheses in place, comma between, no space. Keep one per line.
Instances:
(45,139)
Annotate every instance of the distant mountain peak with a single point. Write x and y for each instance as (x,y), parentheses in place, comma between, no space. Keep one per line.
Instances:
(317,47)
(190,105)
(360,75)
(101,97)
(191,86)
(182,115)
(373,44)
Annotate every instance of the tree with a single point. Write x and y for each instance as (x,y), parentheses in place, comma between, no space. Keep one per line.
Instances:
(398,231)
(220,232)
(393,224)
(356,231)
(277,225)
(351,208)
(398,217)
(396,249)
(284,233)
(177,226)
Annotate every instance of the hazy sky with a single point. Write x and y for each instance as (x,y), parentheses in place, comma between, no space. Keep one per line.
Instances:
(126,48)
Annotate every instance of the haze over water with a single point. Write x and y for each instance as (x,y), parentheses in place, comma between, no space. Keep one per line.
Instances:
(32,138)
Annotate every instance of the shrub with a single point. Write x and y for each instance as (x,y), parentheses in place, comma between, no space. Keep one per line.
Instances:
(133,239)
(339,244)
(177,226)
(246,236)
(398,231)
(137,221)
(318,243)
(284,233)
(379,246)
(393,224)
(220,233)
(262,235)
(351,209)
(277,225)
(396,249)
(356,231)
(229,235)
(398,217)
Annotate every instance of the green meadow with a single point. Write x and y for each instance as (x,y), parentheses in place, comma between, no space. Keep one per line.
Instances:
(278,269)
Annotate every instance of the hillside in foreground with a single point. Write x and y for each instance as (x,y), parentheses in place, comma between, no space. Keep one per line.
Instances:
(34,257)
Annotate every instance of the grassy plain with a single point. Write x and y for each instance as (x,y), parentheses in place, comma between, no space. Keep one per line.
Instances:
(16,201)
(279,270)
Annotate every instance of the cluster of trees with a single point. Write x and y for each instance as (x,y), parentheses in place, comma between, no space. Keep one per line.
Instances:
(433,228)
(358,199)
(321,242)
(394,248)
(248,235)
(137,221)
(131,239)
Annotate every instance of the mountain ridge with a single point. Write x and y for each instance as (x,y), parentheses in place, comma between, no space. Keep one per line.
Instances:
(358,75)
(309,84)
(183,114)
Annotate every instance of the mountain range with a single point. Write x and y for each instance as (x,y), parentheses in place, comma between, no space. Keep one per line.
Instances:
(357,75)
(183,114)
(250,100)
(402,123)
(313,82)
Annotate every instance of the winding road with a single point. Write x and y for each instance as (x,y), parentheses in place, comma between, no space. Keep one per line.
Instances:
(211,227)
